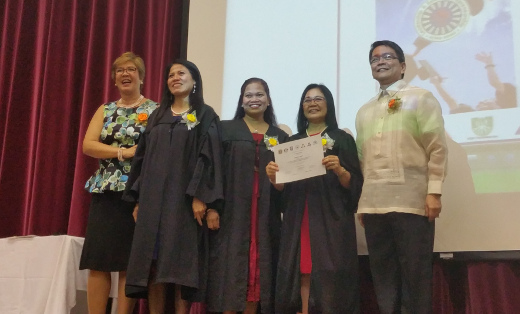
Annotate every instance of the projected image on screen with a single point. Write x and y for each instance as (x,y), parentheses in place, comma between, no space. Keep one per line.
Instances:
(467,52)
(463,51)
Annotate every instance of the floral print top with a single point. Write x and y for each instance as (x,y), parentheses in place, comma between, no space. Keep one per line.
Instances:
(122,127)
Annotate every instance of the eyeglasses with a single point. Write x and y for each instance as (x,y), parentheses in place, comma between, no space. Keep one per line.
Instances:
(384,56)
(317,99)
(128,70)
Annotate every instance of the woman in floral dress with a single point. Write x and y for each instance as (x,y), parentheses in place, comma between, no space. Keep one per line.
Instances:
(112,137)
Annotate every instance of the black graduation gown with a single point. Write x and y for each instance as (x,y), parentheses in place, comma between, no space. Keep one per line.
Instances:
(171,166)
(334,277)
(229,246)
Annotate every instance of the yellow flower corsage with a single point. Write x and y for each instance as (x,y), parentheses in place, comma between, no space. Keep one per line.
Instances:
(190,119)
(270,142)
(327,142)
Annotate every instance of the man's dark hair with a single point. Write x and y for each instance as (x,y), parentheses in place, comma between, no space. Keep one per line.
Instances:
(398,51)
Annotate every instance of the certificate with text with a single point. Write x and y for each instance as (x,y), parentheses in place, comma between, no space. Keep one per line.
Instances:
(300,159)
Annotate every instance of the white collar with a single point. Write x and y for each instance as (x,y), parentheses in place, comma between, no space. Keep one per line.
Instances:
(396,86)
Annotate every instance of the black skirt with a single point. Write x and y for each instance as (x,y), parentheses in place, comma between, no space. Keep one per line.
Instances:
(110,230)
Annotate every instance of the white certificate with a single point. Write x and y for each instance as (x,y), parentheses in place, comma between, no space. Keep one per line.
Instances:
(300,159)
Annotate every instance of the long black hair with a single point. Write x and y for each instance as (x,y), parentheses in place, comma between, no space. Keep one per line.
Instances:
(330,119)
(269,116)
(196,99)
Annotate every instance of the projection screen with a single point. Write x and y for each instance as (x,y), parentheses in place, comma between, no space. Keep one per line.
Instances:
(467,52)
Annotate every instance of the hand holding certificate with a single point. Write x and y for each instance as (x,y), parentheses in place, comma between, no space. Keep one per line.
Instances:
(300,159)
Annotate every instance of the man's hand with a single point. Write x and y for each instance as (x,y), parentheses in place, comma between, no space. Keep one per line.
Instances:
(433,206)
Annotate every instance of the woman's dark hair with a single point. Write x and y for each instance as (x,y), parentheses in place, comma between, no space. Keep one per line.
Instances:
(269,116)
(330,119)
(196,99)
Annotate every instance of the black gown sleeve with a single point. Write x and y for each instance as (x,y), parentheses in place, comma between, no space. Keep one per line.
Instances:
(207,181)
(349,160)
(131,193)
(277,200)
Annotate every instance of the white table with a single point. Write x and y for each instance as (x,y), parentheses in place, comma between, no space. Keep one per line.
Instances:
(41,275)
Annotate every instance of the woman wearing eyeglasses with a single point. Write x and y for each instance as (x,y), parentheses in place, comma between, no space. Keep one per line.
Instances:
(112,137)
(318,264)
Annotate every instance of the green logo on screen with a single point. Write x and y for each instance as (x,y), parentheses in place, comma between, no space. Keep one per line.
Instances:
(482,126)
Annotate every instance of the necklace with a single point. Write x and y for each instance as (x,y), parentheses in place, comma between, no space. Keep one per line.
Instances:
(251,126)
(121,105)
(180,113)
(307,131)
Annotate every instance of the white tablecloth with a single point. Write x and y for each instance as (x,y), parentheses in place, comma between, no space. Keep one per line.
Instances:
(41,275)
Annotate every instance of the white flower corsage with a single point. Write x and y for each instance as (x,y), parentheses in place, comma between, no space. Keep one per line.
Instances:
(270,142)
(190,119)
(327,142)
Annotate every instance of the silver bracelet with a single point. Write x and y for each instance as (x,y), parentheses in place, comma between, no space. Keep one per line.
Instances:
(120,154)
(342,172)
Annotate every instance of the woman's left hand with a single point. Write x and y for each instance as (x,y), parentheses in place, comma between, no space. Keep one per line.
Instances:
(199,209)
(331,162)
(213,219)
(129,152)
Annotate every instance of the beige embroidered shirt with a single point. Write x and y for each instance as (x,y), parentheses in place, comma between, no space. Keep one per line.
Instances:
(402,151)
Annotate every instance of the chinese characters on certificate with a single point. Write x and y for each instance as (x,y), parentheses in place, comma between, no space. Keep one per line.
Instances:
(299,159)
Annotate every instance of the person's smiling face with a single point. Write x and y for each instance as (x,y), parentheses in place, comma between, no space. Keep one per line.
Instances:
(180,81)
(127,77)
(255,100)
(386,68)
(315,106)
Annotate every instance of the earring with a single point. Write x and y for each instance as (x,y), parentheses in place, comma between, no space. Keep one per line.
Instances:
(194,88)
(142,83)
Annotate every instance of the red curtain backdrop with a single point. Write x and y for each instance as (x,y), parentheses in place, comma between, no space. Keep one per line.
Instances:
(55,59)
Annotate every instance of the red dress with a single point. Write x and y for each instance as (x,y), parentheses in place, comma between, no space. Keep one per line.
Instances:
(253,281)
(305,240)
(305,244)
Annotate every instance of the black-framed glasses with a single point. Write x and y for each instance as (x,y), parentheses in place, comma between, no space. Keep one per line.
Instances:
(384,56)
(317,99)
(128,70)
